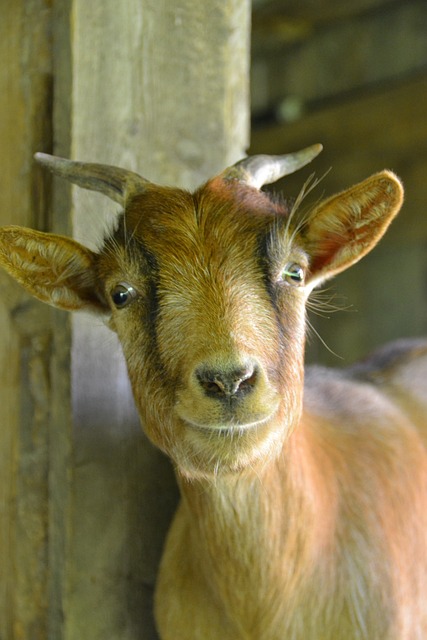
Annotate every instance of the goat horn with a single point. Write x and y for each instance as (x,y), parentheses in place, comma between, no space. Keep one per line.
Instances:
(256,171)
(112,181)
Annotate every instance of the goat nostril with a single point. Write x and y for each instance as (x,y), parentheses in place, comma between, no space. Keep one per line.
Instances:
(228,383)
(249,382)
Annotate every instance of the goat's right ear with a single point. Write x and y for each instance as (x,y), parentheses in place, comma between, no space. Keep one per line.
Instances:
(54,269)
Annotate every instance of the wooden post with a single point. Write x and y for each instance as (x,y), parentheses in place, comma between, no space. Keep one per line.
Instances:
(25,331)
(160,88)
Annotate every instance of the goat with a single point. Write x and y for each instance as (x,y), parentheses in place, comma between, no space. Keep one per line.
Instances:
(303,512)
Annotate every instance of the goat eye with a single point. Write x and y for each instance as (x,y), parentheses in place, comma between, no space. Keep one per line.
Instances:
(123,294)
(293,273)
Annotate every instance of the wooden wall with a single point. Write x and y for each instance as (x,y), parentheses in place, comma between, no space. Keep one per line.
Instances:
(353,76)
(85,501)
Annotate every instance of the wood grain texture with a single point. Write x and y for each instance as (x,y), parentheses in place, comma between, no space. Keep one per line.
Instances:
(25,334)
(160,89)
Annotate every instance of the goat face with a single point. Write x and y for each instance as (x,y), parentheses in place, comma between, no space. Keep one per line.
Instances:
(207,294)
(211,327)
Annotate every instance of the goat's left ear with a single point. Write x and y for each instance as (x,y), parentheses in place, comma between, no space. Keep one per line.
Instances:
(342,229)
(54,269)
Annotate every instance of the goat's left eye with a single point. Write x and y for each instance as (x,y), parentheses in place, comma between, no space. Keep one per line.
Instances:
(293,273)
(123,294)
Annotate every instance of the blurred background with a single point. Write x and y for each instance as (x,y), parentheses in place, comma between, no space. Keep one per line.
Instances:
(353,76)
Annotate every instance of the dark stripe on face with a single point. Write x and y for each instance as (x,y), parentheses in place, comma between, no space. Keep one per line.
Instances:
(138,253)
(151,307)
(265,262)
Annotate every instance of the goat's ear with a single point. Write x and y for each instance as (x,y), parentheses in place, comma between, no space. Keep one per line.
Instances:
(342,229)
(54,269)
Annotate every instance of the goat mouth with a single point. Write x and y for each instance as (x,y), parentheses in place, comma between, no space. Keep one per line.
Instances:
(234,428)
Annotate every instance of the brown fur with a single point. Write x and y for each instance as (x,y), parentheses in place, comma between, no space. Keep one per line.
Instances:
(304,504)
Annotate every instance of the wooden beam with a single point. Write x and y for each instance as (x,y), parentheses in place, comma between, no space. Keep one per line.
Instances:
(324,60)
(160,88)
(313,11)
(25,330)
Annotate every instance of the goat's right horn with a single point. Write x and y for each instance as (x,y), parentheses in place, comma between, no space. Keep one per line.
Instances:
(259,170)
(114,182)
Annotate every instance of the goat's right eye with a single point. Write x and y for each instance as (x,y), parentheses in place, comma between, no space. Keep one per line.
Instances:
(123,294)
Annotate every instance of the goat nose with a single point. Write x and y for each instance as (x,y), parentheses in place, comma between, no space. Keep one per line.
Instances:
(227,383)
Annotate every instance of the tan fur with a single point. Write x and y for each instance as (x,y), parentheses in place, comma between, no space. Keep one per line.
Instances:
(304,504)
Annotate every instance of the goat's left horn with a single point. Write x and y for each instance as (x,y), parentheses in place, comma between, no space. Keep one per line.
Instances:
(114,182)
(256,171)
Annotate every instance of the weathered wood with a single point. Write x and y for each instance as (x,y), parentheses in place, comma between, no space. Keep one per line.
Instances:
(312,10)
(25,335)
(160,89)
(387,291)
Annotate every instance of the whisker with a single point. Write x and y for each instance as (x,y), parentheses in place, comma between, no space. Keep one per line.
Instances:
(324,301)
(297,209)
(312,330)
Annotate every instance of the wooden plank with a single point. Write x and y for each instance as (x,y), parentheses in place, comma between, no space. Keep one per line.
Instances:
(341,56)
(25,93)
(160,89)
(312,10)
(278,25)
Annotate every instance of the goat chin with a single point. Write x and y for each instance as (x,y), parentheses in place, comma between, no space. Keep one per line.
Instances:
(218,450)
